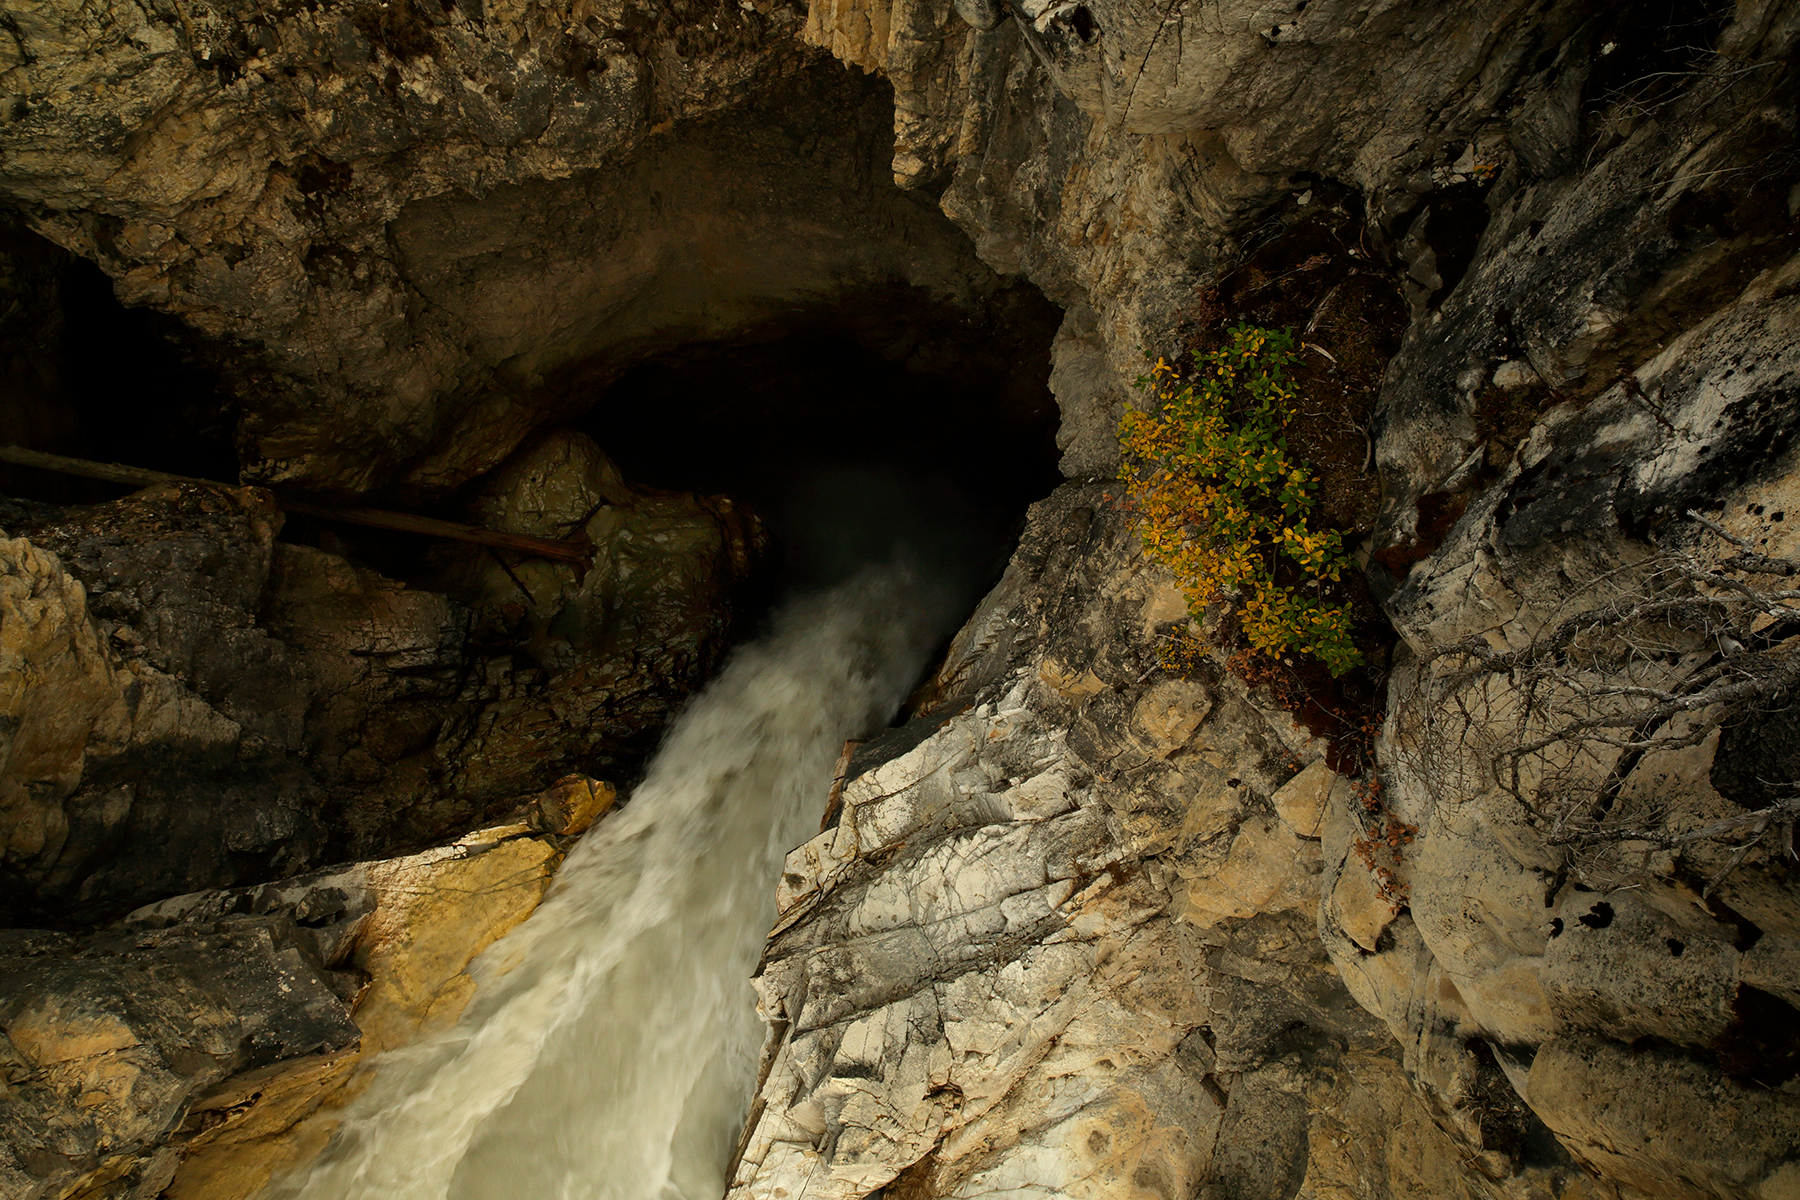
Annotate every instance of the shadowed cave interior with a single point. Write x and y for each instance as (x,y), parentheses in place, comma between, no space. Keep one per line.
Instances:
(919,438)
(876,424)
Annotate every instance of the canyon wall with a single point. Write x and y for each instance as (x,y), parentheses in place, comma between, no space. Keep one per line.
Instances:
(1087,924)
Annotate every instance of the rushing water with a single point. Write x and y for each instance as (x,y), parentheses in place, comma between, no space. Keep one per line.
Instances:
(611,1047)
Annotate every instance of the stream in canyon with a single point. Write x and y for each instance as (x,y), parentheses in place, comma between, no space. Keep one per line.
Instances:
(612,1043)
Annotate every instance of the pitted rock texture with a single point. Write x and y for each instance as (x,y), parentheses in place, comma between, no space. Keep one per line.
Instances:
(194,703)
(1061,939)
(1580,279)
(1504,937)
(1550,431)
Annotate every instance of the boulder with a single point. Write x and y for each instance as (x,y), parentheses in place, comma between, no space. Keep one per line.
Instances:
(196,703)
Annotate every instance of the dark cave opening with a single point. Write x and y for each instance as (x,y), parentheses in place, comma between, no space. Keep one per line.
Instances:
(89,377)
(879,422)
(854,440)
(877,419)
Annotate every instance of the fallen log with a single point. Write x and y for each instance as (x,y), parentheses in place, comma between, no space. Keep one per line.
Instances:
(569,550)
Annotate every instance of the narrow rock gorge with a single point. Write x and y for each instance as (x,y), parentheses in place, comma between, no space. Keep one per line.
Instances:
(732,299)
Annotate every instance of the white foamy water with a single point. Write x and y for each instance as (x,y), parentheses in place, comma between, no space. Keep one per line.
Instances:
(610,1050)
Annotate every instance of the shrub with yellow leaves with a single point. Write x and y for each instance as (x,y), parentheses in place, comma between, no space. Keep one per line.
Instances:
(1222,505)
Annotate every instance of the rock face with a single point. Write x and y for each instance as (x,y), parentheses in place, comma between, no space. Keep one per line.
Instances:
(204,1042)
(1087,926)
(193,703)
(201,1044)
(1061,940)
(1116,153)
(109,1038)
(435,229)
(1646,311)
(1605,268)
(1528,943)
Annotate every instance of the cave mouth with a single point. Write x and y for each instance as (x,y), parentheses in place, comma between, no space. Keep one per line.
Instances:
(854,438)
(82,374)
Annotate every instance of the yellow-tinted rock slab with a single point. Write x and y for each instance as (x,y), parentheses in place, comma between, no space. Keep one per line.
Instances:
(434,913)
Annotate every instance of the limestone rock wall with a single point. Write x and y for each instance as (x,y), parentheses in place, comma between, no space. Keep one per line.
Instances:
(1568,967)
(1118,154)
(412,235)
(1601,340)
(193,703)
(1086,926)
(203,1043)
(1061,939)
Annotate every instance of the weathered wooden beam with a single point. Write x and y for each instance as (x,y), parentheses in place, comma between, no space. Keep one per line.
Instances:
(569,550)
(110,472)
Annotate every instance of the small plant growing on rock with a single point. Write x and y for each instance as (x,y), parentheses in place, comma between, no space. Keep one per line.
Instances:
(1222,504)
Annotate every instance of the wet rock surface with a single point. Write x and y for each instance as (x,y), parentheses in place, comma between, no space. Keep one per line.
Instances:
(202,1043)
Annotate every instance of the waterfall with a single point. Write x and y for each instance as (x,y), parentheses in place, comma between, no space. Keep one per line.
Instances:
(611,1046)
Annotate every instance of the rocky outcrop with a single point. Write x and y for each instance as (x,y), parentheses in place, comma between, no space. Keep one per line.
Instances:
(1619,354)
(1061,939)
(411,236)
(1610,1009)
(203,1042)
(1117,153)
(1582,278)
(1088,925)
(194,703)
(1598,223)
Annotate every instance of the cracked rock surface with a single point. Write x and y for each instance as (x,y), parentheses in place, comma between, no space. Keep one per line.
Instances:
(1061,939)
(1085,926)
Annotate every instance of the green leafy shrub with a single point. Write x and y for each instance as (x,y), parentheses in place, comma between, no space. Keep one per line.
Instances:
(1223,506)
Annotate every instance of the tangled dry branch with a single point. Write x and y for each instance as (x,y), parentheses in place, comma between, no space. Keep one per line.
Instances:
(1599,723)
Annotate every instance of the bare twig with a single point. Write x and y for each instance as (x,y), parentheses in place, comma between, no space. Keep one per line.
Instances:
(1649,659)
